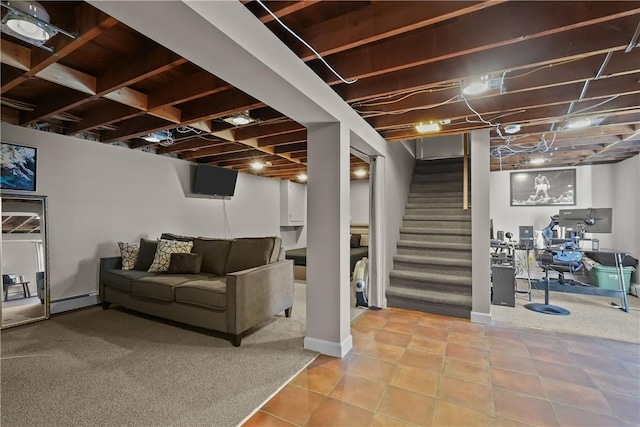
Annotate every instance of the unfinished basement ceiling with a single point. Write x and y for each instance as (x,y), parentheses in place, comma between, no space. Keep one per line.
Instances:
(548,63)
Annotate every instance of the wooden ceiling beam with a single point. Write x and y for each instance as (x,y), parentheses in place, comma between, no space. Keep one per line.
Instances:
(291,148)
(266,129)
(480,31)
(287,138)
(57,102)
(149,61)
(102,116)
(86,21)
(136,127)
(189,88)
(218,105)
(540,51)
(213,151)
(379,21)
(284,8)
(192,145)
(237,158)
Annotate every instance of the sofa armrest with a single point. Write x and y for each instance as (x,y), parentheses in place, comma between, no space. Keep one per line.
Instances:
(110,263)
(107,264)
(258,293)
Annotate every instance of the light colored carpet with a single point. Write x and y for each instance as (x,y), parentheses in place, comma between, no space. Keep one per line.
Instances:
(15,311)
(112,368)
(590,315)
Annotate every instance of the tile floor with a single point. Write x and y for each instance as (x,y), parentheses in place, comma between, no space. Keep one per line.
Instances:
(410,368)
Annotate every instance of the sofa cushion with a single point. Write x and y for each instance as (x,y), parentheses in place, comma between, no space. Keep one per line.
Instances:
(146,253)
(185,264)
(205,293)
(121,279)
(129,254)
(214,252)
(248,253)
(165,248)
(158,286)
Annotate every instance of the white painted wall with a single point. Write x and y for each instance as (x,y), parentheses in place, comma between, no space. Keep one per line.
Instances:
(509,218)
(613,185)
(99,194)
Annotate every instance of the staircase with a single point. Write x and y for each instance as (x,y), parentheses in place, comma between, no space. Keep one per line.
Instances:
(432,271)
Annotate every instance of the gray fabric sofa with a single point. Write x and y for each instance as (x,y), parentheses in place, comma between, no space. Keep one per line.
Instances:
(241,283)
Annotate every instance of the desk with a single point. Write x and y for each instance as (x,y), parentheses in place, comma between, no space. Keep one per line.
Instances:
(621,293)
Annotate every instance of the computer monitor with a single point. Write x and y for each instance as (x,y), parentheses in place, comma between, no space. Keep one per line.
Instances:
(526,237)
(589,220)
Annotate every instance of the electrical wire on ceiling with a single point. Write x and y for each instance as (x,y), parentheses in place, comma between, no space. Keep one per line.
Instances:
(426,107)
(386,99)
(306,44)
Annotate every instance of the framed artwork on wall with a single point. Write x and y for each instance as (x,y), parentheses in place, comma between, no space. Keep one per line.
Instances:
(544,188)
(18,167)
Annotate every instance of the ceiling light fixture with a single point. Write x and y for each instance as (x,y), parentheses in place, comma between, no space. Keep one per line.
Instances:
(537,161)
(360,173)
(476,86)
(163,137)
(579,123)
(302,177)
(428,127)
(30,22)
(515,128)
(239,119)
(257,166)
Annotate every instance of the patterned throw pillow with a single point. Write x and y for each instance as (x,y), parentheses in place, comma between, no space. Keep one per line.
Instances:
(162,260)
(129,254)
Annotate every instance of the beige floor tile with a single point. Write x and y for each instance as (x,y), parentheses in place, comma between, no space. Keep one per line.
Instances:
(570,416)
(359,391)
(449,414)
(524,408)
(512,363)
(496,344)
(519,382)
(563,373)
(418,380)
(408,406)
(587,398)
(624,405)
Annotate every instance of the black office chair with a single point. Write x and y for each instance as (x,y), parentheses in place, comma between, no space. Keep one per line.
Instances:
(562,262)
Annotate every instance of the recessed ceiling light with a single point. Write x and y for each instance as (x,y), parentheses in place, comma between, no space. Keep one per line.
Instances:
(515,128)
(579,123)
(302,177)
(537,161)
(28,19)
(360,173)
(476,86)
(239,119)
(428,127)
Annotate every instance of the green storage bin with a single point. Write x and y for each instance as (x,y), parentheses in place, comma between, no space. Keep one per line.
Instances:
(607,277)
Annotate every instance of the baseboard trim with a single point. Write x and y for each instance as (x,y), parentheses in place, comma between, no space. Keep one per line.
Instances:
(328,347)
(477,317)
(73,303)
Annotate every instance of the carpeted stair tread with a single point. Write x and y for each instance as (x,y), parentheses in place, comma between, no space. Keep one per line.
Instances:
(461,218)
(457,204)
(431,296)
(434,245)
(420,276)
(436,231)
(442,262)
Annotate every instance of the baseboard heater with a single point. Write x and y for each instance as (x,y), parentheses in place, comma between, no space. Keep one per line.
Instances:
(73,303)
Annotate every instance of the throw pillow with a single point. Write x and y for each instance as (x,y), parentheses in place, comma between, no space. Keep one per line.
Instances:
(355,240)
(146,254)
(248,253)
(129,254)
(185,264)
(165,248)
(214,251)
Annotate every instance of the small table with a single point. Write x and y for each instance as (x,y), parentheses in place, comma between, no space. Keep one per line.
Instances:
(25,289)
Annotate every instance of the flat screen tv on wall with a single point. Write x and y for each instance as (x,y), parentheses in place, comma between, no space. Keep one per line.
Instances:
(214,181)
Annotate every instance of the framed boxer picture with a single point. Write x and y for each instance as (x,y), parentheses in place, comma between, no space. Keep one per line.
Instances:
(554,187)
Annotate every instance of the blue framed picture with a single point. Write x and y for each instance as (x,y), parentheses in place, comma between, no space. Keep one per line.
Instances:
(18,167)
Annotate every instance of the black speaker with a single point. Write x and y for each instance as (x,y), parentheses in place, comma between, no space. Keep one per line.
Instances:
(503,289)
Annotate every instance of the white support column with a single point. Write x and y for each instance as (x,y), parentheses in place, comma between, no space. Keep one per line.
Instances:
(480,216)
(377,263)
(328,185)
